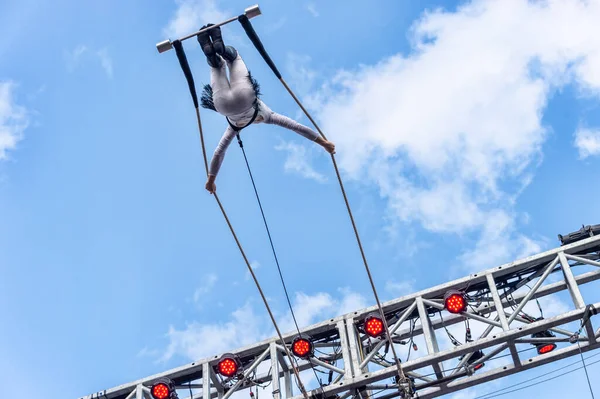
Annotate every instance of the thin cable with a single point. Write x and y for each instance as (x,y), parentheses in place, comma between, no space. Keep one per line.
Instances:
(268,232)
(259,46)
(531,385)
(362,252)
(273,250)
(538,377)
(262,295)
(585,368)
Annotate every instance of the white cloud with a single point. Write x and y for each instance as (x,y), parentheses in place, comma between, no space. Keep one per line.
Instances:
(499,243)
(271,28)
(198,340)
(298,161)
(450,133)
(312,8)
(400,288)
(255,265)
(191,15)
(75,58)
(13,119)
(105,61)
(300,73)
(350,302)
(206,286)
(248,325)
(587,142)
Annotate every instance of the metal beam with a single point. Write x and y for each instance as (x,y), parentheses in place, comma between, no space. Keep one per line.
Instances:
(357,350)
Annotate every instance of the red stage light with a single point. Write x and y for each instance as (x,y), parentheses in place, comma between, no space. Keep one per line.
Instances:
(545,348)
(302,347)
(160,391)
(373,326)
(476,357)
(163,389)
(227,366)
(455,302)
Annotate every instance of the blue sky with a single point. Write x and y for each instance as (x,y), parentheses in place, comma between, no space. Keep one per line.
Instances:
(467,137)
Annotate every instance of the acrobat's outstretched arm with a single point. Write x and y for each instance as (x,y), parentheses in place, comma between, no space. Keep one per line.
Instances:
(281,120)
(217,159)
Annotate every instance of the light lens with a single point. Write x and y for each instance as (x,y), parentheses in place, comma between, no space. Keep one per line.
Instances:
(374,326)
(546,348)
(475,358)
(302,347)
(228,367)
(456,302)
(160,391)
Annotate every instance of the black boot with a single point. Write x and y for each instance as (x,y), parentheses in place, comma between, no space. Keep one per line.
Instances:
(230,54)
(217,39)
(208,49)
(227,52)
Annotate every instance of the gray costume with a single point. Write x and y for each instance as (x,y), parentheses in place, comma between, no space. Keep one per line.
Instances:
(237,99)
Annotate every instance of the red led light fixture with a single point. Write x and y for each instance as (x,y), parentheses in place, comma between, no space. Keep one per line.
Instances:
(160,391)
(545,348)
(163,389)
(475,358)
(455,302)
(373,325)
(228,365)
(302,347)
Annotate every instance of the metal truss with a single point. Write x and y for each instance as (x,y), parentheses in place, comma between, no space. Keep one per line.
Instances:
(354,364)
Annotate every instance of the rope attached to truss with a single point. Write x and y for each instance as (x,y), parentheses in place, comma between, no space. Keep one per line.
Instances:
(241,144)
(243,19)
(190,80)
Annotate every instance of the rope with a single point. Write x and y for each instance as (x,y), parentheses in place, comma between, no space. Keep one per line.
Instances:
(241,144)
(362,252)
(253,36)
(190,80)
(585,369)
(262,295)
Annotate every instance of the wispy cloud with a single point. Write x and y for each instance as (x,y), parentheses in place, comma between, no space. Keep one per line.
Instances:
(76,57)
(301,73)
(276,26)
(255,265)
(298,161)
(451,148)
(191,15)
(207,285)
(312,8)
(246,326)
(73,57)
(400,288)
(105,61)
(13,119)
(587,142)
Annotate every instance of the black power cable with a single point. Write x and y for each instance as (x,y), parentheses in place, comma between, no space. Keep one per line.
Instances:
(274,252)
(500,392)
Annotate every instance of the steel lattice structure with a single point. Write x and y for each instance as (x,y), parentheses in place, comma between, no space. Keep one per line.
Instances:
(355,363)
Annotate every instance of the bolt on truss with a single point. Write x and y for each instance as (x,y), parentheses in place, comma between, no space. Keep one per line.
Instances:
(499,334)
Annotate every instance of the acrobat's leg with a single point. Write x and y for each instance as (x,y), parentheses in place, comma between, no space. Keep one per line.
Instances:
(242,90)
(238,73)
(218,72)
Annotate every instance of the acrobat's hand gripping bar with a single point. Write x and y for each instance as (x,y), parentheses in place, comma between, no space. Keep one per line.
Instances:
(249,12)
